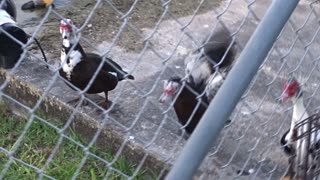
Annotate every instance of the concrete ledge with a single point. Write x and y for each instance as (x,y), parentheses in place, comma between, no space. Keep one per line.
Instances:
(111,137)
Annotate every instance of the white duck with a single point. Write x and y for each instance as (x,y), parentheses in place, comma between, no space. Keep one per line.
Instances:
(292,91)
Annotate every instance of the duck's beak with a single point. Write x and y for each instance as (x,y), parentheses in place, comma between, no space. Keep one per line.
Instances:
(65,34)
(163,98)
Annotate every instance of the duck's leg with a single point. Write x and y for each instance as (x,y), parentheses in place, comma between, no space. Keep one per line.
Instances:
(105,104)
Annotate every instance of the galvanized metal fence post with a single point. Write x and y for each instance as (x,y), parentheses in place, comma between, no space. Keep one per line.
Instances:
(231,91)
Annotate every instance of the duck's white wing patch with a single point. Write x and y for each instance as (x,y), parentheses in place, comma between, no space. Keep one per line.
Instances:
(125,69)
(216,80)
(113,73)
(196,68)
(213,84)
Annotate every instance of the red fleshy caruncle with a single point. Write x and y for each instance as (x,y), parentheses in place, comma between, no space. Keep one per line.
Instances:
(169,91)
(65,27)
(291,88)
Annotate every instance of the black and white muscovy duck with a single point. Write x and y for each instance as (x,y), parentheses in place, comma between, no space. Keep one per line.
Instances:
(202,64)
(292,91)
(10,49)
(78,67)
(186,102)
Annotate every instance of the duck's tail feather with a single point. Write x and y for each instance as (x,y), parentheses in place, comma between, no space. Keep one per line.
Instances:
(130,77)
(124,75)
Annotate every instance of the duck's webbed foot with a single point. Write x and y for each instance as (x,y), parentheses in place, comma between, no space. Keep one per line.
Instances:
(105,104)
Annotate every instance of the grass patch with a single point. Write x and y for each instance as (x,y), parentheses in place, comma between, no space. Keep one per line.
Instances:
(39,143)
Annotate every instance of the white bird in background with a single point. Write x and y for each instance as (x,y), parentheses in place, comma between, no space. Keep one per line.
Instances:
(292,91)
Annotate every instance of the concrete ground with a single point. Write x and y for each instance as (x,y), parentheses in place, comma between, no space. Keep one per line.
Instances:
(251,141)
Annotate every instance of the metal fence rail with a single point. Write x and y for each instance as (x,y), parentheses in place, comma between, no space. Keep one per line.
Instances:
(240,76)
(137,137)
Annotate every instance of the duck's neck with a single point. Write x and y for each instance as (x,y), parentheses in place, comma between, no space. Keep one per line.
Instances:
(75,57)
(80,50)
(187,93)
(78,47)
(72,40)
(69,44)
(299,110)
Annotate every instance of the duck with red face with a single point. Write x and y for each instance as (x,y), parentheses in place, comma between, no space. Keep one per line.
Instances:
(79,67)
(68,35)
(185,105)
(292,91)
(292,146)
(188,105)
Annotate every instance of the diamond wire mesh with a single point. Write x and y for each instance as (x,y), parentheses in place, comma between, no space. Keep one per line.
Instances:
(157,51)
(260,108)
(308,166)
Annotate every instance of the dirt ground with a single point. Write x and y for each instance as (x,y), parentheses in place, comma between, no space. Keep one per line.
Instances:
(105,22)
(250,142)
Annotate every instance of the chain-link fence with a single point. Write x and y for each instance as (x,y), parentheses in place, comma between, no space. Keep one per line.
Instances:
(308,166)
(46,134)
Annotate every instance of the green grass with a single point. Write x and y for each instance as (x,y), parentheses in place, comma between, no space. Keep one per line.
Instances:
(38,144)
